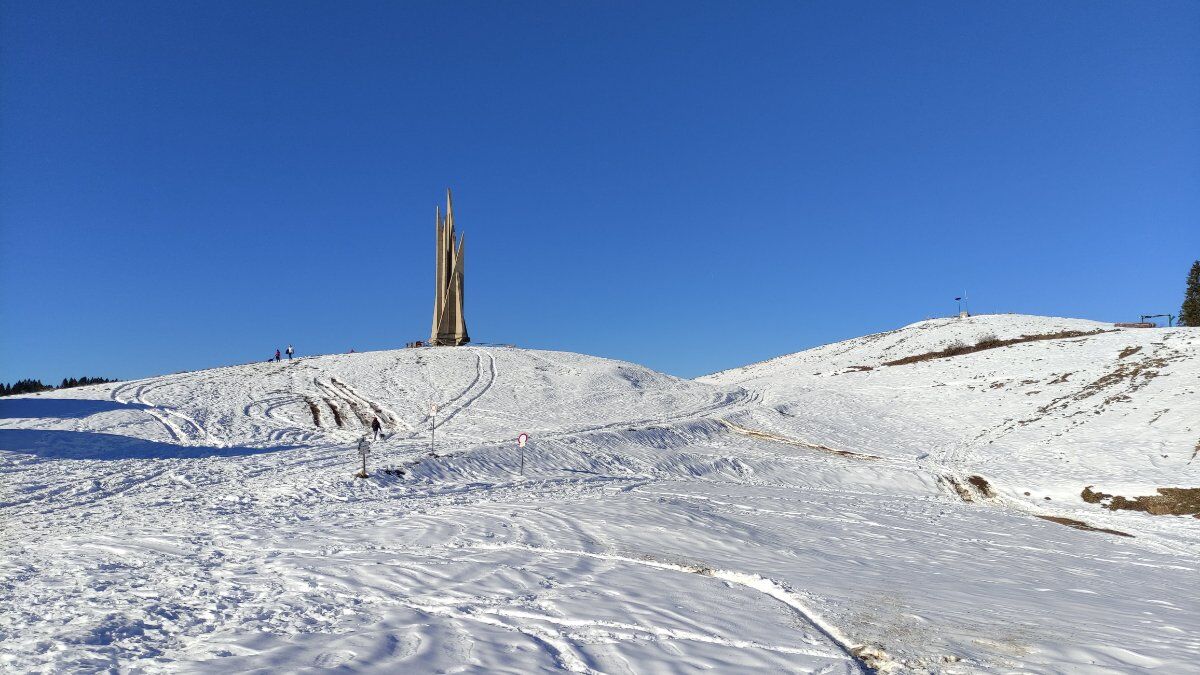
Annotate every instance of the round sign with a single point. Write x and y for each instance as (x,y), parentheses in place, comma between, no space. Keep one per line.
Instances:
(522,439)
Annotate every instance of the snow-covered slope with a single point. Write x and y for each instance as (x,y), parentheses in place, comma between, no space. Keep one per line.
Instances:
(781,518)
(1068,404)
(331,399)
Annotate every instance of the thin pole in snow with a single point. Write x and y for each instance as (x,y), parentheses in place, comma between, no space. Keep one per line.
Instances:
(364,447)
(521,440)
(432,428)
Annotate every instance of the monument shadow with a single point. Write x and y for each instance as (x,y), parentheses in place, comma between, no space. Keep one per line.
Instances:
(61,408)
(60,444)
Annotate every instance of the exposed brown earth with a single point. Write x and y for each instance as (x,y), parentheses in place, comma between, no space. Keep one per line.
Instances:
(337,416)
(792,441)
(1129,351)
(989,343)
(982,485)
(1168,502)
(315,410)
(964,490)
(1080,525)
(874,658)
(959,489)
(1132,375)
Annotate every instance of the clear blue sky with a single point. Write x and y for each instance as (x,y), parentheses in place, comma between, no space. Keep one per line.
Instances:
(692,186)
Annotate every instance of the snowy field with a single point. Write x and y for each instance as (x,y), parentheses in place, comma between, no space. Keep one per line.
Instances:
(812,513)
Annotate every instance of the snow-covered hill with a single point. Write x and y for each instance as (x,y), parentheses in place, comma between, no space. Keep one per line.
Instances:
(483,394)
(799,515)
(1045,408)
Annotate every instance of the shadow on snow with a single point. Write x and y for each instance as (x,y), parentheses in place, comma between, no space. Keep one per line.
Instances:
(61,408)
(56,444)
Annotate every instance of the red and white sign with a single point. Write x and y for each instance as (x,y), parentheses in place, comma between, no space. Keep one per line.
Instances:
(522,439)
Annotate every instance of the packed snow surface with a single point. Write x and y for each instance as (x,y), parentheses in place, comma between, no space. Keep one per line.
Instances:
(819,512)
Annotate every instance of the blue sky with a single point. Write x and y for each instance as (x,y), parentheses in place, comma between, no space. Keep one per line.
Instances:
(692,186)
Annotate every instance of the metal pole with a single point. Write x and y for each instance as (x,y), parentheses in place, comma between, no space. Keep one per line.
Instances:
(521,440)
(432,430)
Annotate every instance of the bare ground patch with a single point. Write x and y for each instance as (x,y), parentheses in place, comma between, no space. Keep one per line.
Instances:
(337,415)
(315,410)
(970,489)
(793,441)
(961,490)
(1170,501)
(1080,525)
(1128,377)
(980,483)
(990,343)
(1129,351)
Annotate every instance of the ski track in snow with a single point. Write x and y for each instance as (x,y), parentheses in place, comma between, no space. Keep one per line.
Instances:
(754,582)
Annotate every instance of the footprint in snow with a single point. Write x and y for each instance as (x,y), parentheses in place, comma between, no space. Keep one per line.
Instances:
(333,659)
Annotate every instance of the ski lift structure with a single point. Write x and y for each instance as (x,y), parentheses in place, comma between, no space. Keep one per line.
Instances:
(1169,317)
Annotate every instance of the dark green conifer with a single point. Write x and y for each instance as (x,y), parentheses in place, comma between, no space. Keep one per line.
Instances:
(1189,313)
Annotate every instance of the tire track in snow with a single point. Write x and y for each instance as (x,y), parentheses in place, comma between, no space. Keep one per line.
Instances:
(161,413)
(485,375)
(103,493)
(868,660)
(265,409)
(632,631)
(348,394)
(732,402)
(564,653)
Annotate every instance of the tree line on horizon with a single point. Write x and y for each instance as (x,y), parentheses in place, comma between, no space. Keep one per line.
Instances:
(29,386)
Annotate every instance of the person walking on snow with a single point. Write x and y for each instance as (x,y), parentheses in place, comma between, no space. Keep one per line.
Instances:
(290,351)
(377,428)
(276,354)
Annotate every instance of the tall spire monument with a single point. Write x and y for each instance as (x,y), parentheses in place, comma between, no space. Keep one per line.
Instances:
(449,326)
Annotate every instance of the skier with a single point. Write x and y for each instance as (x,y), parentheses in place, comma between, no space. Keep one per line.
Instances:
(377,428)
(290,351)
(276,354)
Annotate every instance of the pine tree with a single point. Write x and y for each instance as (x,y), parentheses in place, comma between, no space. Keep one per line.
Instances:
(1189,313)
